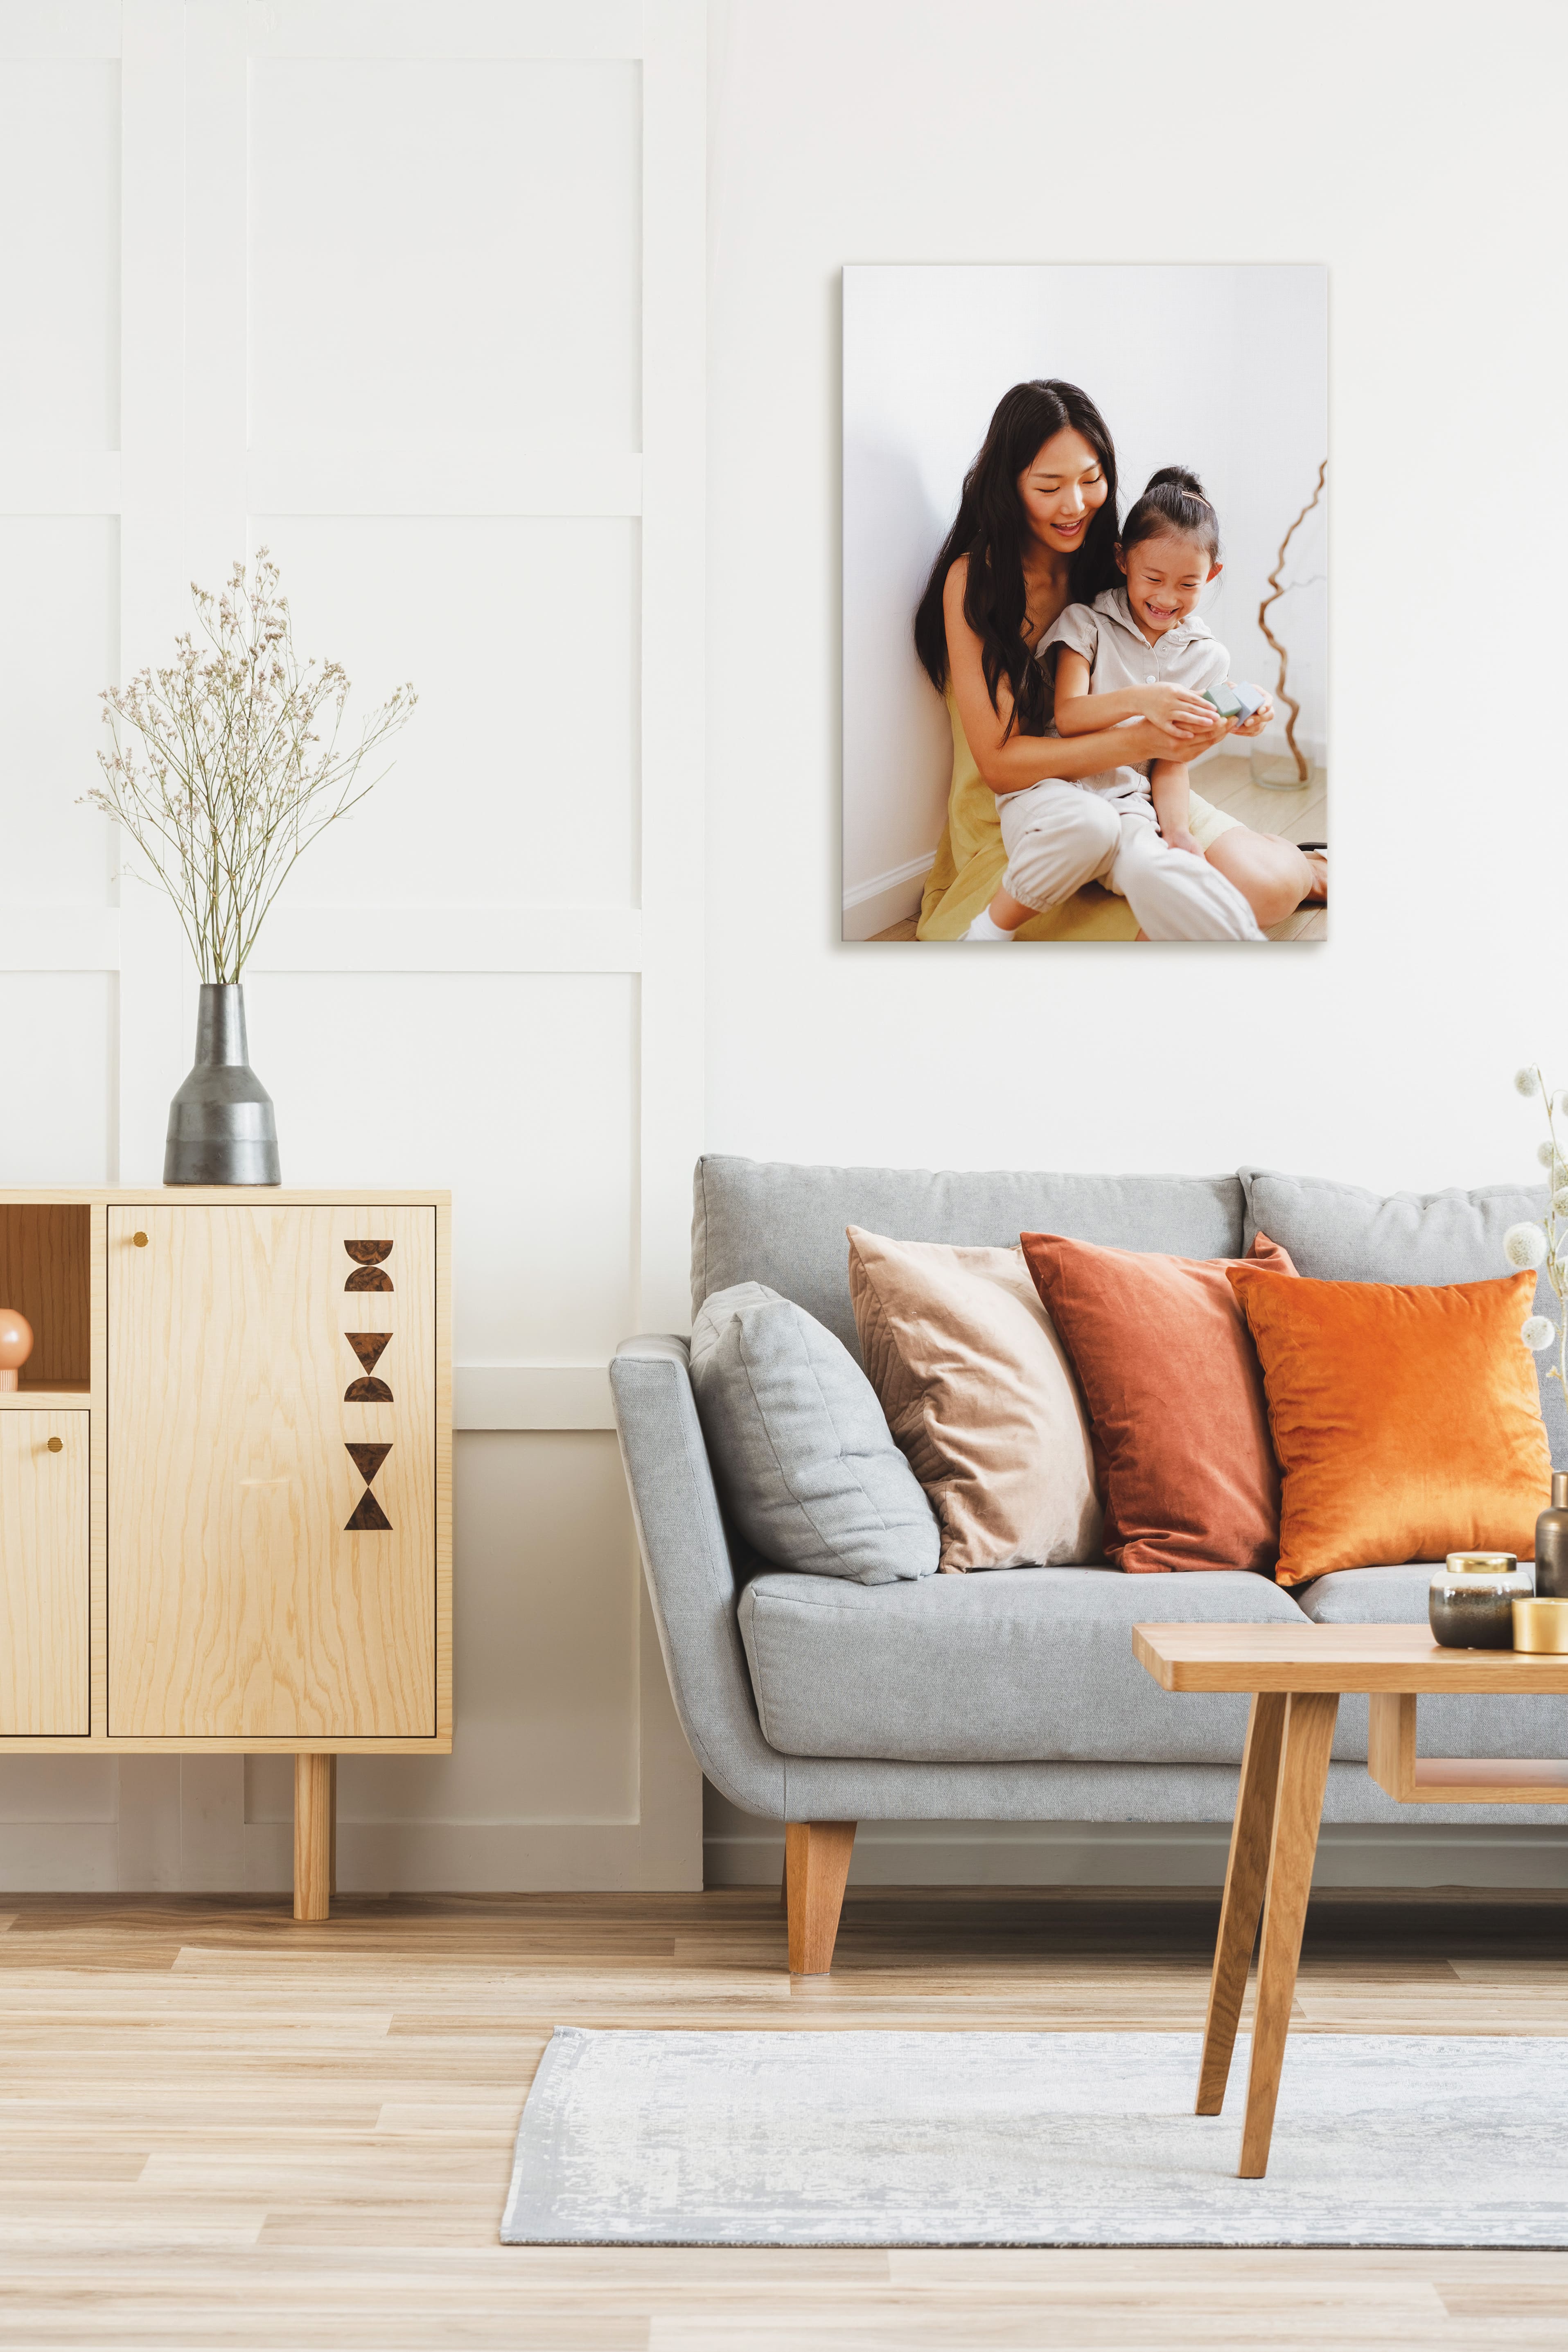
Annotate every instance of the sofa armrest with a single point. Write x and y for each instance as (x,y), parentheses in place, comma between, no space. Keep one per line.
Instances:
(690,1573)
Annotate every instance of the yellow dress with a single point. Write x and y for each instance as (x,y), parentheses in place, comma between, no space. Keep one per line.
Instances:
(971,861)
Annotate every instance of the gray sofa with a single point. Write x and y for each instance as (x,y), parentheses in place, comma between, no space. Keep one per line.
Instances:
(1010,1696)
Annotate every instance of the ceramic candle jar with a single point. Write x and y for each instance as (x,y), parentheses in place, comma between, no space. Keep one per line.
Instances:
(1470,1604)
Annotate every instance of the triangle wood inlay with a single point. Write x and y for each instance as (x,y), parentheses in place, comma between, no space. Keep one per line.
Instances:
(369,1518)
(369,1346)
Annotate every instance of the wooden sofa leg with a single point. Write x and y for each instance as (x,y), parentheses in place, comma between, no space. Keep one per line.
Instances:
(816,1863)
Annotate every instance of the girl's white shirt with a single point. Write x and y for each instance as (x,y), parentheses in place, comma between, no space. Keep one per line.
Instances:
(1119,655)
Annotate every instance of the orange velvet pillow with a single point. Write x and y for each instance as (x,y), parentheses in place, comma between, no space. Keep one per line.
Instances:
(1407,1420)
(1176,1416)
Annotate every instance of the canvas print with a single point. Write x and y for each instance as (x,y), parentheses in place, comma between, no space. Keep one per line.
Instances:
(1085,605)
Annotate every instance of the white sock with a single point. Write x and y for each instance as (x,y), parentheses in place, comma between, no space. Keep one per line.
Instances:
(983,927)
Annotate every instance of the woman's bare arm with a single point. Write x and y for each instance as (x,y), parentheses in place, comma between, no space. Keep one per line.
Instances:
(1011,765)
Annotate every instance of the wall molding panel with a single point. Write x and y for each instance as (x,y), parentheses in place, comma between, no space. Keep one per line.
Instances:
(412,292)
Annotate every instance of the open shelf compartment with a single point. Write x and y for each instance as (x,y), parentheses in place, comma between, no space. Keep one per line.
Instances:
(46,1251)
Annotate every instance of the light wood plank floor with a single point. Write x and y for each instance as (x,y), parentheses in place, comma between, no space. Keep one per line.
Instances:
(1226,781)
(223,2129)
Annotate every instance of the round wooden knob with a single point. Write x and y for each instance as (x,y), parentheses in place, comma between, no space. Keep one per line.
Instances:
(57,1446)
(139,1240)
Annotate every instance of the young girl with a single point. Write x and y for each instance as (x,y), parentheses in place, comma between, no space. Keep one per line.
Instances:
(1138,651)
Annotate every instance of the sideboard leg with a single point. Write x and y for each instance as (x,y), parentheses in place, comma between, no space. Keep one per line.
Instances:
(1244,1878)
(315,1835)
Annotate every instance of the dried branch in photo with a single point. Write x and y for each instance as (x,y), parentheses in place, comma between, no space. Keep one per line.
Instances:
(1302,769)
(238,768)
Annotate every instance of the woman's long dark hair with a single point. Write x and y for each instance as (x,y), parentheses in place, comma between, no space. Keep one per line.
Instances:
(990,530)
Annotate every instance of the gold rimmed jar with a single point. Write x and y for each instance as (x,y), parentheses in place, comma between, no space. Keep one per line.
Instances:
(1470,1603)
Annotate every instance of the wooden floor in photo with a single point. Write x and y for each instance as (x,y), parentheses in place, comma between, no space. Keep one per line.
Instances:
(1227,783)
(225,2129)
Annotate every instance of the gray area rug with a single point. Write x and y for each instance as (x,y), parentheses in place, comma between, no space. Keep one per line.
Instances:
(1036,2139)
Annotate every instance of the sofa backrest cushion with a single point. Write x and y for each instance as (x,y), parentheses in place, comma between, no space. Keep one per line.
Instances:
(771,1222)
(804,1461)
(1337,1233)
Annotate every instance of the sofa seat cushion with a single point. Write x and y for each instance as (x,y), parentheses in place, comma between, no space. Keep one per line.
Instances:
(1466,1724)
(1027,1664)
(1370,1596)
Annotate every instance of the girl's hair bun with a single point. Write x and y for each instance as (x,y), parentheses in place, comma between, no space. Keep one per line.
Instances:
(1176,502)
(1177,477)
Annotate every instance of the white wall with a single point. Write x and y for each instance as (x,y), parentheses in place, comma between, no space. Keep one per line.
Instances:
(423,483)
(414,295)
(1422,164)
(1218,368)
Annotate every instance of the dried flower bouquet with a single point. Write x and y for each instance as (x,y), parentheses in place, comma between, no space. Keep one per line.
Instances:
(239,768)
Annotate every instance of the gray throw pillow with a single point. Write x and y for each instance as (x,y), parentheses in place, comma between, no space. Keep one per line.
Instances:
(1337,1233)
(800,1446)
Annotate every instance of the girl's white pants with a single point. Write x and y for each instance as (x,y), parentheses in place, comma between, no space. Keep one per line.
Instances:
(1058,837)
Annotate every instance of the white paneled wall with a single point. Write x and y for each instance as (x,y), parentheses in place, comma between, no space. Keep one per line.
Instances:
(412,295)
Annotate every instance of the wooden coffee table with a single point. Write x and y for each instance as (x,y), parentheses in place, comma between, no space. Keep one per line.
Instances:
(1296,1675)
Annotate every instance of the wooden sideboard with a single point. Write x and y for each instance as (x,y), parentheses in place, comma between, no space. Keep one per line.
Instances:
(226,1481)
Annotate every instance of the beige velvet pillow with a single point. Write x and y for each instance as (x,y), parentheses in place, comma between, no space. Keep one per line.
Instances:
(979,1393)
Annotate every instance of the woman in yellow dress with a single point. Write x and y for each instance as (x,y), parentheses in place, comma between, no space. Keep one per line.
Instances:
(1034,532)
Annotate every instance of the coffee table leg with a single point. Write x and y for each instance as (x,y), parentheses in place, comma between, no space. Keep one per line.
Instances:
(1250,1840)
(1303,1776)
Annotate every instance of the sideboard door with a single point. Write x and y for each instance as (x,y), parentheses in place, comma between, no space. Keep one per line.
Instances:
(271,1407)
(44,1587)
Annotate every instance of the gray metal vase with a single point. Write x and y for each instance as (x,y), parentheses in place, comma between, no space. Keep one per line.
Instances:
(221,1128)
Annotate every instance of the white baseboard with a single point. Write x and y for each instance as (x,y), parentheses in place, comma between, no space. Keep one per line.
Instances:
(476,1858)
(890,897)
(1139,1854)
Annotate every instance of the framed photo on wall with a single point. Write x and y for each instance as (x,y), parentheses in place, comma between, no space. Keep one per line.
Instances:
(1085,604)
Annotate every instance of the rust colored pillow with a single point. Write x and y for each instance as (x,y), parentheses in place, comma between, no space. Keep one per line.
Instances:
(1407,1420)
(1186,1471)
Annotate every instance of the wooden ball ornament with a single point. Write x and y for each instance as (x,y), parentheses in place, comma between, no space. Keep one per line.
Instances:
(15,1347)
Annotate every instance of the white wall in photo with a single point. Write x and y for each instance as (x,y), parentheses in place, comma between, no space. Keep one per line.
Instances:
(414,297)
(1220,368)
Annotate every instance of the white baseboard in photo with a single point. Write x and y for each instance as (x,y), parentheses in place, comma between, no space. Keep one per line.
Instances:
(891,898)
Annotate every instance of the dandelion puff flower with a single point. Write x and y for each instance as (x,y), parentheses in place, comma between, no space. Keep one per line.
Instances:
(1526,1082)
(1524,1245)
(1547,1153)
(1538,1331)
